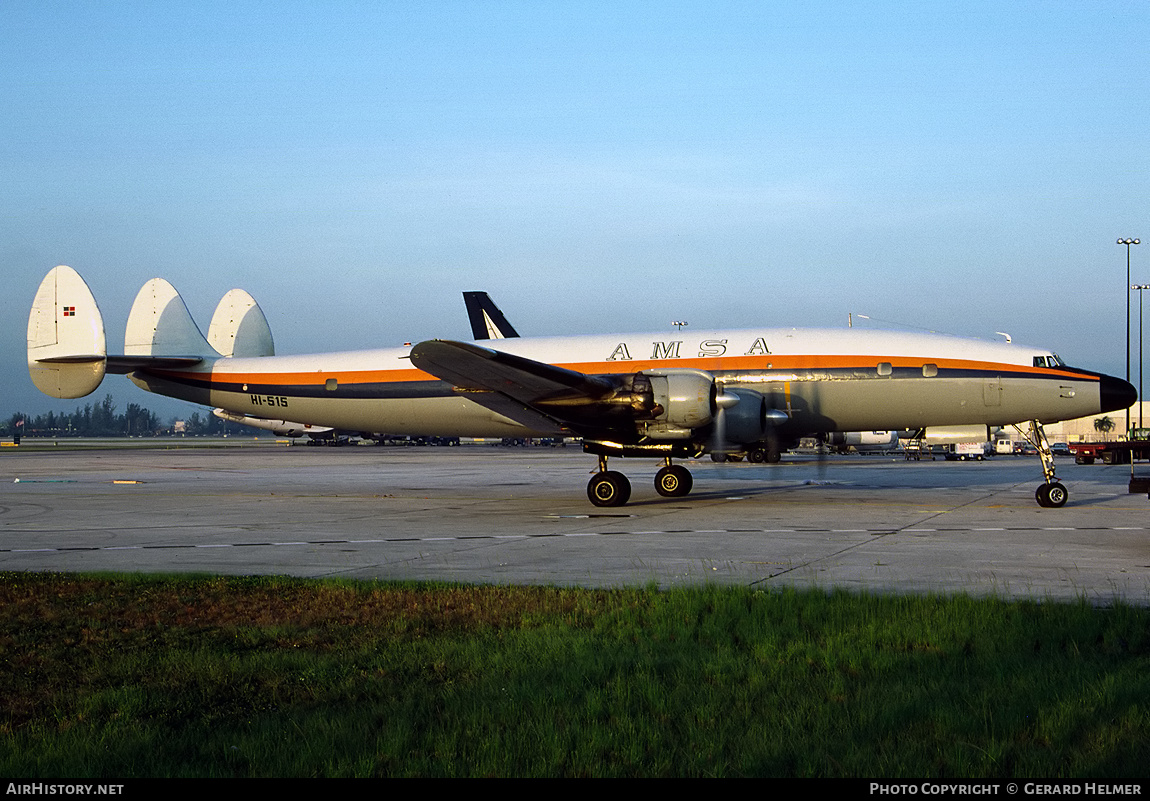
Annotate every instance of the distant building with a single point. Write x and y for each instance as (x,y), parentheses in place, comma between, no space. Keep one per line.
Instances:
(1083,429)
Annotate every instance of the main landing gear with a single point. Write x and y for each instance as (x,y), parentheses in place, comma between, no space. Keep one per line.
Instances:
(1052,494)
(611,488)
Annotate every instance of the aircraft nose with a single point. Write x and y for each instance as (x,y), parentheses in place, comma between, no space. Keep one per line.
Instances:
(1114,394)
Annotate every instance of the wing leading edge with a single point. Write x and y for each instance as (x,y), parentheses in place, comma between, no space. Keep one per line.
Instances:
(538,395)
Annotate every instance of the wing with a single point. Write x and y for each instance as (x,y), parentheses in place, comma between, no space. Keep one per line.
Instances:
(538,395)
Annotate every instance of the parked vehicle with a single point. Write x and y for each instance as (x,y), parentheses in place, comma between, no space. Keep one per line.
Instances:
(962,451)
(1136,446)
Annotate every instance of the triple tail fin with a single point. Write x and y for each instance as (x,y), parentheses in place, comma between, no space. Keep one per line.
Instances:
(239,327)
(160,325)
(67,349)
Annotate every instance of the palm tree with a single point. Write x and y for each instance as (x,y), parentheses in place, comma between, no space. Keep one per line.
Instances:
(1103,425)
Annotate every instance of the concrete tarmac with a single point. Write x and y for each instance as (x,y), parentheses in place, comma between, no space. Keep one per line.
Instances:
(486,514)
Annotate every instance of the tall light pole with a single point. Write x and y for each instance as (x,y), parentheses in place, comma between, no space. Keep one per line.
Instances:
(1140,288)
(1128,242)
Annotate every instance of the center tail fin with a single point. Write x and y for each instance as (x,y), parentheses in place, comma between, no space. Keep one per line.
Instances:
(160,325)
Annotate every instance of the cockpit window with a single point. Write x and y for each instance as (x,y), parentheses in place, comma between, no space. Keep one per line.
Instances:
(1048,361)
(1039,361)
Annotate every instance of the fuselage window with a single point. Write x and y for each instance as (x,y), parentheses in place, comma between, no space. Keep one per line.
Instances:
(929,370)
(885,368)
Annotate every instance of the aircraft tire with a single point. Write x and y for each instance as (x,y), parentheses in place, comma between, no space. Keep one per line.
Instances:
(609,488)
(1051,496)
(673,481)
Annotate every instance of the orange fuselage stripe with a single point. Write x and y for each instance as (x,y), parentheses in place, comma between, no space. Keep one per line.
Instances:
(774,363)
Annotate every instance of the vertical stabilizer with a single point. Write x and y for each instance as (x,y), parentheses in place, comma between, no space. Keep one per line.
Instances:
(239,327)
(160,325)
(487,322)
(67,349)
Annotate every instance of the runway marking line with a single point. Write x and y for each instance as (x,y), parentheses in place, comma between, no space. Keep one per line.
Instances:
(468,537)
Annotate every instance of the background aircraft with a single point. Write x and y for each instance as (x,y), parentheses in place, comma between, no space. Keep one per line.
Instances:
(487,322)
(282,428)
(629,395)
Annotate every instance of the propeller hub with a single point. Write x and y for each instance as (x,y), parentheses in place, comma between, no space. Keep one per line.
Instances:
(726,400)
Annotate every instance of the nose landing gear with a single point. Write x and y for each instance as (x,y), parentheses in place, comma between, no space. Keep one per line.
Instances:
(1052,494)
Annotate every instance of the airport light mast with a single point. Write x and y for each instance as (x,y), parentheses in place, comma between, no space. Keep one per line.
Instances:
(1128,242)
(1140,288)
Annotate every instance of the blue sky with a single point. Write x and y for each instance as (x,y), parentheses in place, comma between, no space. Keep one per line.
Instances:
(964,167)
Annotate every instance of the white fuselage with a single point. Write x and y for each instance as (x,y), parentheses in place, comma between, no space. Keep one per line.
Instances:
(823,379)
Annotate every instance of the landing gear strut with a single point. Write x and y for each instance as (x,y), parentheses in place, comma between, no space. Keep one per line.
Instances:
(611,488)
(1052,494)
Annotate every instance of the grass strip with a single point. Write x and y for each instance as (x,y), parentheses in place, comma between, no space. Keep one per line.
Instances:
(110,676)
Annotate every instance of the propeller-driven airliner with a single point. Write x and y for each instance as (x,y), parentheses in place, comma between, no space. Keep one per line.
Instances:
(661,395)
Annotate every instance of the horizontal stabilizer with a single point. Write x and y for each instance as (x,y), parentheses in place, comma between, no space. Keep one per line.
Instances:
(160,325)
(66,343)
(239,327)
(121,365)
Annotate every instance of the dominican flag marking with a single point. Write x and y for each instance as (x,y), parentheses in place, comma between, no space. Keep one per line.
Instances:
(69,311)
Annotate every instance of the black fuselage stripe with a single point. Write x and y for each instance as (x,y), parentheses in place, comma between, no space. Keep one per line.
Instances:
(380,390)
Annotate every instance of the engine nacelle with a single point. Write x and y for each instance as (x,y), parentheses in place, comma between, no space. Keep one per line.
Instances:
(684,400)
(747,420)
(678,402)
